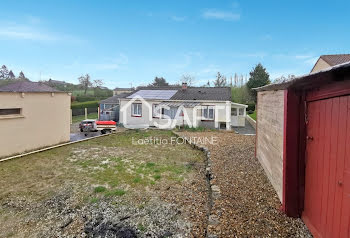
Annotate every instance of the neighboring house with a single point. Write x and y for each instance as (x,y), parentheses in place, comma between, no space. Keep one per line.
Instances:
(167,107)
(109,108)
(32,116)
(326,61)
(303,136)
(118,91)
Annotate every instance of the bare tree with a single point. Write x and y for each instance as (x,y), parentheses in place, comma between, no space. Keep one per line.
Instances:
(189,79)
(283,79)
(220,80)
(97,83)
(85,82)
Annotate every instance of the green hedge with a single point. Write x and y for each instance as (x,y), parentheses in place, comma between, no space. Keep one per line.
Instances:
(251,107)
(89,104)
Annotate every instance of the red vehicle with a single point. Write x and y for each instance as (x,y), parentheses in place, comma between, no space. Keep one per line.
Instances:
(95,126)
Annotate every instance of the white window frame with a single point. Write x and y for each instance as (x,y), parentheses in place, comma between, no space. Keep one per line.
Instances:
(206,110)
(138,109)
(156,110)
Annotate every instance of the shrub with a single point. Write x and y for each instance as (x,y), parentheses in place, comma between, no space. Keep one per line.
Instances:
(251,107)
(80,105)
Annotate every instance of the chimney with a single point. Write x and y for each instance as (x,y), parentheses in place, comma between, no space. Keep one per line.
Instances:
(184,86)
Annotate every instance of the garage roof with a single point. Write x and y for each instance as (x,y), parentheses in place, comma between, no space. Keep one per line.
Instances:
(26,87)
(336,73)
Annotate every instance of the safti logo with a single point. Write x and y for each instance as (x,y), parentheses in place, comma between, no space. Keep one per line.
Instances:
(164,120)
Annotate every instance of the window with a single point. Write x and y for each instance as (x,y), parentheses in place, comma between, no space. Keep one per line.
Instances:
(241,111)
(136,110)
(207,113)
(10,112)
(171,113)
(233,111)
(155,111)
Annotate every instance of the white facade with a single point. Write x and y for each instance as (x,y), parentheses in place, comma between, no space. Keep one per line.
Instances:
(141,113)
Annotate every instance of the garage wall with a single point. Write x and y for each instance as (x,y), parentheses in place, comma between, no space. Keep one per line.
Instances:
(44,121)
(270,127)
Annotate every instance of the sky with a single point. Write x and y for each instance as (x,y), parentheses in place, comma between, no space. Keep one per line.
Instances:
(128,43)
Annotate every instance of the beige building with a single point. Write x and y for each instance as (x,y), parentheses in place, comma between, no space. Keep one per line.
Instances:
(326,61)
(32,116)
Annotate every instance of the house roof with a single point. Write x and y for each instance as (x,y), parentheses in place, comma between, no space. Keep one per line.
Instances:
(204,93)
(191,93)
(124,89)
(114,99)
(153,94)
(336,73)
(25,86)
(333,60)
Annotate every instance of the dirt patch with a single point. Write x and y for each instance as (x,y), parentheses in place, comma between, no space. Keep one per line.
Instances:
(246,204)
(106,187)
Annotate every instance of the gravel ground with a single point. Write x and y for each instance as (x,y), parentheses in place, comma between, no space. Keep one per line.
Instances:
(247,205)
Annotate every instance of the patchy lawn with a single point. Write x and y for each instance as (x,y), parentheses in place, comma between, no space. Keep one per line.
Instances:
(106,186)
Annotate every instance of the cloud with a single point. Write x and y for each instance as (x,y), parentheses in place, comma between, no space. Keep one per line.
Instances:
(220,15)
(177,18)
(25,33)
(32,31)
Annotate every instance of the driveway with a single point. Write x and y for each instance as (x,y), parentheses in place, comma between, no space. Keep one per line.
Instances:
(245,203)
(246,130)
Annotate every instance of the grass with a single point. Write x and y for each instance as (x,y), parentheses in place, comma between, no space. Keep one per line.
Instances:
(253,115)
(76,119)
(100,189)
(111,169)
(194,129)
(116,192)
(94,200)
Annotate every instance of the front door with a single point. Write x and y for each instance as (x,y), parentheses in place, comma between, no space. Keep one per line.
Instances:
(327,175)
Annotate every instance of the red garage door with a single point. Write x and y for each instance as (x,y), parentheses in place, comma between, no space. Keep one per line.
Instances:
(327,176)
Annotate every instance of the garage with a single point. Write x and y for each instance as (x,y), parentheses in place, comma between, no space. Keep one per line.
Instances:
(303,137)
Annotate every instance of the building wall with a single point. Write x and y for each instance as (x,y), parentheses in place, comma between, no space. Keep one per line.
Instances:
(270,128)
(44,121)
(320,65)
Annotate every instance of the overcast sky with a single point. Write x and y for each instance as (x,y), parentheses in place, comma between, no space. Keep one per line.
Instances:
(131,42)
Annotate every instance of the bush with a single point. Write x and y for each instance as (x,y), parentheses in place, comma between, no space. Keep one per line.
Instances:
(85,98)
(80,105)
(251,107)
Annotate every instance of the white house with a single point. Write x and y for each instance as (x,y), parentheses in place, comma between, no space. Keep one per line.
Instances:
(167,107)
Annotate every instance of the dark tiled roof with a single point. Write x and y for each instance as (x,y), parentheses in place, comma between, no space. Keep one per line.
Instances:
(196,93)
(204,93)
(124,89)
(313,80)
(25,86)
(115,98)
(170,87)
(336,59)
